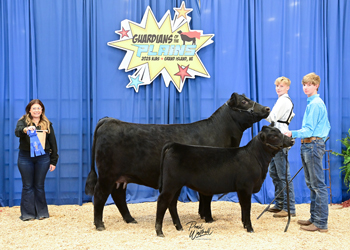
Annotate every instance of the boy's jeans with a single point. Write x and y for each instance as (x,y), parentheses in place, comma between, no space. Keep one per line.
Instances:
(277,171)
(311,156)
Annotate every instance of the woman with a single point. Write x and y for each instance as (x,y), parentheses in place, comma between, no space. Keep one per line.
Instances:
(34,169)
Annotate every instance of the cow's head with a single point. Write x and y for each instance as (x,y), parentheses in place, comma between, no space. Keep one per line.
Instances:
(274,139)
(251,109)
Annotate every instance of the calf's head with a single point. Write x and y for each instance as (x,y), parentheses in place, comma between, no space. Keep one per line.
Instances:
(273,138)
(243,104)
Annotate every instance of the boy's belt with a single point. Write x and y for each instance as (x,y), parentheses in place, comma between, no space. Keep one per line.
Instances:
(310,139)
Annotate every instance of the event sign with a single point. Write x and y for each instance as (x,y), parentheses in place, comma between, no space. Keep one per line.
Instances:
(168,48)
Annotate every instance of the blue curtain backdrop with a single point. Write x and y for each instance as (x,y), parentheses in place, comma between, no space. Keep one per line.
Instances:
(57,51)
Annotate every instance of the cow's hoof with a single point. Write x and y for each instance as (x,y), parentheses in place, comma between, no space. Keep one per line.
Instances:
(159,230)
(100,226)
(250,230)
(209,220)
(160,234)
(132,221)
(179,228)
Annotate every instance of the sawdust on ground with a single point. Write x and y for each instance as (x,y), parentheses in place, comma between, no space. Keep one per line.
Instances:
(71,227)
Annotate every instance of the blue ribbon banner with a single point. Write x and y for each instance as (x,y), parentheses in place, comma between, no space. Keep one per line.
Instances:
(35,146)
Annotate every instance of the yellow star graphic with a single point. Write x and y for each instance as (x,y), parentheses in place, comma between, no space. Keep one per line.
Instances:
(182,11)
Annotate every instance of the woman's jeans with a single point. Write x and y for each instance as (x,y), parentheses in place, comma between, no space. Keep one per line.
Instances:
(311,156)
(33,171)
(277,171)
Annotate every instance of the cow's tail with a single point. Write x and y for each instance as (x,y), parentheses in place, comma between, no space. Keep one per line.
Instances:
(92,177)
(164,150)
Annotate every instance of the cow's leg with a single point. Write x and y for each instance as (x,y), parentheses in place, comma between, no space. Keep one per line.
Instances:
(204,208)
(119,197)
(245,202)
(173,211)
(100,197)
(164,200)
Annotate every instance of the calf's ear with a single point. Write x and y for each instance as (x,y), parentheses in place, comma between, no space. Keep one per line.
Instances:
(262,136)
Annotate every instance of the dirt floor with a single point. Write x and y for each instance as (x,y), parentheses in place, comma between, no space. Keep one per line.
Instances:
(71,227)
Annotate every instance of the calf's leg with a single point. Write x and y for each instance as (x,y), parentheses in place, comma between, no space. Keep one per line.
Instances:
(173,211)
(119,198)
(164,200)
(204,208)
(245,202)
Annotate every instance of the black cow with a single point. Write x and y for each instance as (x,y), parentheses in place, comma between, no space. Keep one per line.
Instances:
(130,153)
(213,170)
(186,38)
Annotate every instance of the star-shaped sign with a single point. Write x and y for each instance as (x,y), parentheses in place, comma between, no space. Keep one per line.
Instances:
(135,83)
(159,48)
(124,32)
(183,72)
(182,11)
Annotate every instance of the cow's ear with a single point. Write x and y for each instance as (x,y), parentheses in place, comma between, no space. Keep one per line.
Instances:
(262,136)
(233,100)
